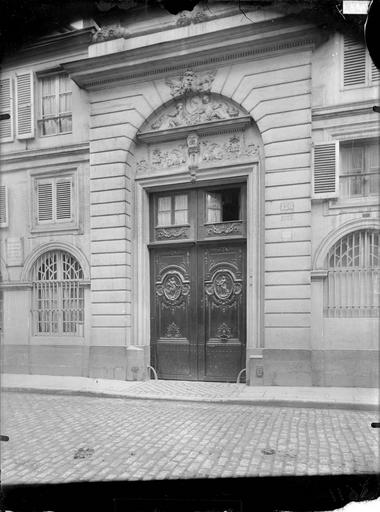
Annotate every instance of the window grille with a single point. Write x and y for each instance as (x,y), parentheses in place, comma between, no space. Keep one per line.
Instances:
(58,295)
(360,165)
(353,269)
(55,105)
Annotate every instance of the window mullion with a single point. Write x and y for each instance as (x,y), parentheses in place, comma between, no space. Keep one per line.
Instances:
(172,207)
(57,96)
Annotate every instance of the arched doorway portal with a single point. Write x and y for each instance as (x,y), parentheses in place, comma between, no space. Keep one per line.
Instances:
(198,210)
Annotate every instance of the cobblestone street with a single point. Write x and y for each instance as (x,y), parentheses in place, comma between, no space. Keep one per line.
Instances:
(60,438)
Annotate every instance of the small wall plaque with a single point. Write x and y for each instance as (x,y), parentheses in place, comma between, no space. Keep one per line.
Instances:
(259,371)
(15,256)
(287,206)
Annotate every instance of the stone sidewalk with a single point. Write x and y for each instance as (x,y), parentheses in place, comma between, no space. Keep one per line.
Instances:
(215,392)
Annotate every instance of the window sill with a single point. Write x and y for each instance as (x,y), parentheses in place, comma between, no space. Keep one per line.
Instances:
(51,339)
(49,228)
(373,83)
(54,134)
(357,203)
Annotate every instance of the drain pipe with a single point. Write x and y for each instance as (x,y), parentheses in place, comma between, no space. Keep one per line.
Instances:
(240,373)
(154,372)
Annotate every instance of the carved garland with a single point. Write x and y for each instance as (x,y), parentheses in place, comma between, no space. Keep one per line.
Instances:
(224,229)
(171,233)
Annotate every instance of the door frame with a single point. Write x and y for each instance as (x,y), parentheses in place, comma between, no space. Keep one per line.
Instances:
(141,285)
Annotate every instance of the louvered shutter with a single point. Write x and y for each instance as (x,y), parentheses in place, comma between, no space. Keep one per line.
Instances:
(45,201)
(375,73)
(354,62)
(24,106)
(63,199)
(3,206)
(326,170)
(6,107)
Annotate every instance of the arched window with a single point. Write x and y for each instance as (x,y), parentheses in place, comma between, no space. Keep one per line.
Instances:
(353,269)
(58,295)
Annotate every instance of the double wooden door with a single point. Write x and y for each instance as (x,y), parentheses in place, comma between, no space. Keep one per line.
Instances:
(198,296)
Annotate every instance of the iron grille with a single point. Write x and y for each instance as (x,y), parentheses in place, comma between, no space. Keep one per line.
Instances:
(58,295)
(351,287)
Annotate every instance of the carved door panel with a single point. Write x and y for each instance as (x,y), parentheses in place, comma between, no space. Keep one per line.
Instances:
(221,346)
(198,255)
(173,305)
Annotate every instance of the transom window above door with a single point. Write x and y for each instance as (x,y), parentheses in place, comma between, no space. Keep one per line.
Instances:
(223,205)
(198,214)
(172,210)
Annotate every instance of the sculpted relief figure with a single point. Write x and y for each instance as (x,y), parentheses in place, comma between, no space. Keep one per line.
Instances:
(213,111)
(191,83)
(172,120)
(171,158)
(232,149)
(193,110)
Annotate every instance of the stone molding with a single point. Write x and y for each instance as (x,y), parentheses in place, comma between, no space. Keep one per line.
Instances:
(10,285)
(337,234)
(29,154)
(77,40)
(211,127)
(210,49)
(343,110)
(255,291)
(53,246)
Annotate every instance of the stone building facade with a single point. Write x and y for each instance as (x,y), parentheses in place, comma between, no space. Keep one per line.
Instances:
(202,186)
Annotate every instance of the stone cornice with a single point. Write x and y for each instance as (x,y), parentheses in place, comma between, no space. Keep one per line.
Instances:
(238,43)
(41,153)
(343,110)
(221,126)
(75,40)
